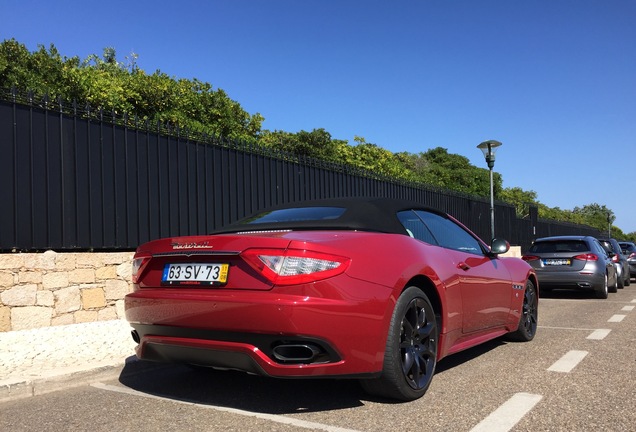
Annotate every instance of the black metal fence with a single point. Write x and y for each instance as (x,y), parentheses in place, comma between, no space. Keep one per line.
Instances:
(73,179)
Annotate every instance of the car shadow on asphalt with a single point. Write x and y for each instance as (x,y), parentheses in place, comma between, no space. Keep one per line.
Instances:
(567,294)
(242,391)
(239,390)
(462,357)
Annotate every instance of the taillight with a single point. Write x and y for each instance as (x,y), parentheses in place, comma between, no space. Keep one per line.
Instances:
(138,265)
(632,255)
(530,258)
(615,258)
(587,257)
(295,266)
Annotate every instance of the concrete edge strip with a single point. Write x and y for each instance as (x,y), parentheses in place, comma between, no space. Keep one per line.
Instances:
(24,387)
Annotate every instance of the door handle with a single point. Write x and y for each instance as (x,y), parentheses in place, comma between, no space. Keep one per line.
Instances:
(462,265)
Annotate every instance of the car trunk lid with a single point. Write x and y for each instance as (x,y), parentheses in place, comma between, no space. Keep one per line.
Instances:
(213,262)
(241,261)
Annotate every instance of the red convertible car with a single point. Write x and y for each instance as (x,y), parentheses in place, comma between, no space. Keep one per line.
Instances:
(373,289)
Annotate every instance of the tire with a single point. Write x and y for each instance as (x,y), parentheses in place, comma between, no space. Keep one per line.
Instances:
(614,288)
(410,356)
(529,316)
(620,283)
(601,293)
(628,279)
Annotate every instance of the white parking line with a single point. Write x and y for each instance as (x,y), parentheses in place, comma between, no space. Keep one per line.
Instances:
(567,328)
(568,361)
(508,415)
(617,318)
(599,334)
(628,308)
(270,417)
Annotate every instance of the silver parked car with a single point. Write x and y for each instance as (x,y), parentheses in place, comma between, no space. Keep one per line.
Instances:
(619,260)
(578,262)
(629,250)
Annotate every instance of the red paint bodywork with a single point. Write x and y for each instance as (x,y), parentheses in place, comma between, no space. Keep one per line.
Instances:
(477,297)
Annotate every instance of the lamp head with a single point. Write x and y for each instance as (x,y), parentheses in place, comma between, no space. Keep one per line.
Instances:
(488,148)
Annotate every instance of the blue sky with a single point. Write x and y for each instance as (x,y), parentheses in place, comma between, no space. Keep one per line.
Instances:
(553,80)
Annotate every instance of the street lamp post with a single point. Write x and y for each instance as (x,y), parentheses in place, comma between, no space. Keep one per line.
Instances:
(489,148)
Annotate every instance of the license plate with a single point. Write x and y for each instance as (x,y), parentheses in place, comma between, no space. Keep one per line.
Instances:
(556,262)
(195,274)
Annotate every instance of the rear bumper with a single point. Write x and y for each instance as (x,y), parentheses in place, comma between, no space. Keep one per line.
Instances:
(281,333)
(576,280)
(309,357)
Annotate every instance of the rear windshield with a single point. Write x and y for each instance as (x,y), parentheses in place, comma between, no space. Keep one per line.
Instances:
(559,246)
(298,214)
(607,245)
(627,248)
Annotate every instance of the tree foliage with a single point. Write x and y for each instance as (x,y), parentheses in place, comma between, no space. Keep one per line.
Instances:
(596,215)
(522,200)
(436,166)
(104,82)
(122,87)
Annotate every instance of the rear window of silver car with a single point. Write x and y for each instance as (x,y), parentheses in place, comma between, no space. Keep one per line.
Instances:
(559,246)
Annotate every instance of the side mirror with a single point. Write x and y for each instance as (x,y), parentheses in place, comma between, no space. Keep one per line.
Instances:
(499,246)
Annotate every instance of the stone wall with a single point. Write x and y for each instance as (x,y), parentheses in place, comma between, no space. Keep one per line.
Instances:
(51,289)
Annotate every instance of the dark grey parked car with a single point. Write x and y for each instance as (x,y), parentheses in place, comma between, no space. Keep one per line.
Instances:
(629,250)
(619,260)
(578,262)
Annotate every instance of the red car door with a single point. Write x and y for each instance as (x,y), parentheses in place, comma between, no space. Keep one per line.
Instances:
(485,283)
(486,291)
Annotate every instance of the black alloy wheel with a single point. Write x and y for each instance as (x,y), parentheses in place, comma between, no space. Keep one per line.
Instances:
(411,350)
(417,348)
(529,318)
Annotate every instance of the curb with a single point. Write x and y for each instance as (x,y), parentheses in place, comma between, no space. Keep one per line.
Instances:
(20,388)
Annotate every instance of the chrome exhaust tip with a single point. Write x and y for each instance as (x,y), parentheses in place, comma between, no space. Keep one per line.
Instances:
(296,353)
(135,336)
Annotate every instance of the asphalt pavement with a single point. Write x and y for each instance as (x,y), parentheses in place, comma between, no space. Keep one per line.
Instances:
(41,360)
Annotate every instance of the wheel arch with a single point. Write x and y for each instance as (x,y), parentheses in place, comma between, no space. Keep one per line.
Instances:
(533,278)
(428,287)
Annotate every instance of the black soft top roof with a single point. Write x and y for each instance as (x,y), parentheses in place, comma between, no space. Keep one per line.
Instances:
(362,214)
